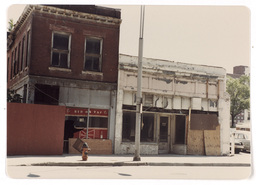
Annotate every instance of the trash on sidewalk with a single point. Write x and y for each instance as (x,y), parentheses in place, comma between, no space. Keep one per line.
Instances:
(82,147)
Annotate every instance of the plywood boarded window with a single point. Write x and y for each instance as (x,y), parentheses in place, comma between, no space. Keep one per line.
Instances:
(204,122)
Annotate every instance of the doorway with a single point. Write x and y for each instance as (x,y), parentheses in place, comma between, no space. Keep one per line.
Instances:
(164,134)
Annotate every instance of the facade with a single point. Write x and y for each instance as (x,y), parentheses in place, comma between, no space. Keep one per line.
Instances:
(68,55)
(185,108)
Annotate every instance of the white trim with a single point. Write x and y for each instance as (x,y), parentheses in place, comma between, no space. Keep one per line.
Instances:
(59,69)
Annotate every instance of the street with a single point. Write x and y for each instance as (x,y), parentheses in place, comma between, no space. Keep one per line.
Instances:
(126,172)
(232,168)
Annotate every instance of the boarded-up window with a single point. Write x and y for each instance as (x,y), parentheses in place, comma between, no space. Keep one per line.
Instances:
(204,121)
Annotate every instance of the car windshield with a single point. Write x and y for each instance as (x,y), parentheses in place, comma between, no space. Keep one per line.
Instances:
(242,136)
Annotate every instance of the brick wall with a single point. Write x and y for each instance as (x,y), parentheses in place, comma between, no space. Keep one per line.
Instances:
(43,26)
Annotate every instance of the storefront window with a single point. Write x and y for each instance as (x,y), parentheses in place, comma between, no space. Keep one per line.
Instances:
(147,127)
(77,119)
(98,122)
(129,119)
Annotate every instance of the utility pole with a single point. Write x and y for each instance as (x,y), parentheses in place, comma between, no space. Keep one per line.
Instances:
(139,93)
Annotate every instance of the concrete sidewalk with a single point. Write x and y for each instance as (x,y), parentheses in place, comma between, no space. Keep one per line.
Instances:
(242,159)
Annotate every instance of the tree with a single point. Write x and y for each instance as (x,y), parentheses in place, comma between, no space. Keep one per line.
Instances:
(11,25)
(13,97)
(239,91)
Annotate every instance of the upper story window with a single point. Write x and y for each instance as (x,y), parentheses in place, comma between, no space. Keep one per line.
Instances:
(28,49)
(93,54)
(60,50)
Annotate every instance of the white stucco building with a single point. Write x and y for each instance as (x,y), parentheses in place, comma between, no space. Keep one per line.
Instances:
(185,108)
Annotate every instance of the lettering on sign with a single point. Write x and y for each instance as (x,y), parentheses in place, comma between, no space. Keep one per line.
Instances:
(84,112)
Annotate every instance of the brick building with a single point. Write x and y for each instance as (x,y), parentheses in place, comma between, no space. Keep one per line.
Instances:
(68,55)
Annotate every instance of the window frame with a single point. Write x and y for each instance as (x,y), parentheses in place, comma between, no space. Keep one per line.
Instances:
(92,54)
(61,50)
(131,128)
(28,46)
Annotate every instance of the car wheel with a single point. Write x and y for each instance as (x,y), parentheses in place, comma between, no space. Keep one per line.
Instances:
(237,151)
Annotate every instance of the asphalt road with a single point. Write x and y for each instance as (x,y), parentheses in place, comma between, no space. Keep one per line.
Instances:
(126,172)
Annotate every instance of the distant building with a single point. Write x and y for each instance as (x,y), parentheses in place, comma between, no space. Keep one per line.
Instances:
(239,71)
(244,116)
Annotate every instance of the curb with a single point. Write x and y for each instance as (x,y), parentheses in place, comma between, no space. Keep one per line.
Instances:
(88,164)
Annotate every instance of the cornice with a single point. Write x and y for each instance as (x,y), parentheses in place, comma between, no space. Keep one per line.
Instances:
(60,12)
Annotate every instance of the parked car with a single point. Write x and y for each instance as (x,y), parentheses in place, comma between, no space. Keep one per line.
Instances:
(238,147)
(242,141)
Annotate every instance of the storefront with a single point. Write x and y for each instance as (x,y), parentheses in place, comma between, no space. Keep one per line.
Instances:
(163,131)
(79,117)
(185,108)
(76,126)
(78,97)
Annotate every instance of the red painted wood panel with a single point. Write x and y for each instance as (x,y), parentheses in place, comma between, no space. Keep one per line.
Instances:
(35,129)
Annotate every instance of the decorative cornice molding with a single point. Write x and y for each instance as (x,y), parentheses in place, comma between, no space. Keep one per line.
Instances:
(61,12)
(78,15)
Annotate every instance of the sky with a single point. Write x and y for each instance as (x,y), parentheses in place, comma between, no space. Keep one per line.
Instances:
(213,35)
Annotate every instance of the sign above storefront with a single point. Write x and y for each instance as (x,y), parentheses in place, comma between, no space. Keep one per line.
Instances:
(71,111)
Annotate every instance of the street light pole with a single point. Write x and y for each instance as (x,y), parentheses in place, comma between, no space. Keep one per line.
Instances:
(139,93)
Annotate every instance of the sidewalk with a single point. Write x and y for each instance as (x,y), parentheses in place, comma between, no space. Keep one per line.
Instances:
(242,159)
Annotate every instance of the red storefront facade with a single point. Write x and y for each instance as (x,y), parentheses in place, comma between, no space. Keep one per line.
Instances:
(85,116)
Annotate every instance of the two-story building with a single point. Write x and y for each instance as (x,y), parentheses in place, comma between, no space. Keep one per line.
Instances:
(68,55)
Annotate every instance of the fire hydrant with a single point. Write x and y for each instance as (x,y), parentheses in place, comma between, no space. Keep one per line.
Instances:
(85,150)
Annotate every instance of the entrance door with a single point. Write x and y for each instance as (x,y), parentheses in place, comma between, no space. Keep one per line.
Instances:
(164,125)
